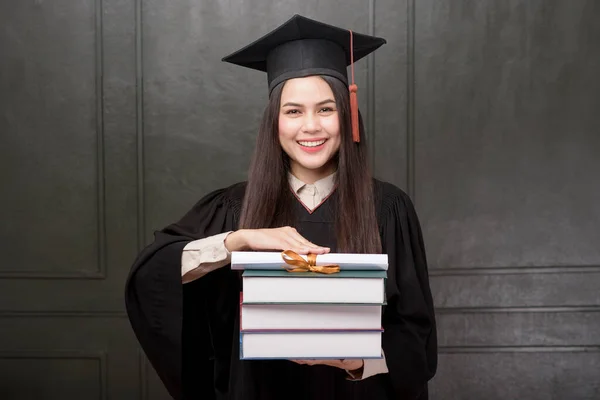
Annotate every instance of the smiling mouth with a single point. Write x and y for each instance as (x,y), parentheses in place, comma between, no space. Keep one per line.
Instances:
(312,143)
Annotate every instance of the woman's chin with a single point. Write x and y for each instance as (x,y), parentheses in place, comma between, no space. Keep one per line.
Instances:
(312,164)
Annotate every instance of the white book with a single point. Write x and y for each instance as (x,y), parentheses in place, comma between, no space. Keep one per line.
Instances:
(310,345)
(344,287)
(241,260)
(309,316)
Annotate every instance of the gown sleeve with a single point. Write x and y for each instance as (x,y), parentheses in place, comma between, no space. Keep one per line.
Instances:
(158,304)
(409,338)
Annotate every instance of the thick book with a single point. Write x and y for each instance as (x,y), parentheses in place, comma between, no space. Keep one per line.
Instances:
(309,317)
(310,345)
(249,260)
(344,287)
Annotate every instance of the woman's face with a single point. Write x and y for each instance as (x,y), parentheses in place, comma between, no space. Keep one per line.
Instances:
(309,128)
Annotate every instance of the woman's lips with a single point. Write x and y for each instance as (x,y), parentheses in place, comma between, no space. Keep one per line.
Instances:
(312,146)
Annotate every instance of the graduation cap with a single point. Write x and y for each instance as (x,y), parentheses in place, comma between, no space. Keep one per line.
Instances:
(304,47)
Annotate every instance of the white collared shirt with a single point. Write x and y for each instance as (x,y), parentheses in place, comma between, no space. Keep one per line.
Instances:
(311,195)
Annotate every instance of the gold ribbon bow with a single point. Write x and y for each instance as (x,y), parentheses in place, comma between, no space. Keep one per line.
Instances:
(292,258)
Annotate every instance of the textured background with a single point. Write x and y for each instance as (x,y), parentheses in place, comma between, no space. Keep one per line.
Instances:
(117,115)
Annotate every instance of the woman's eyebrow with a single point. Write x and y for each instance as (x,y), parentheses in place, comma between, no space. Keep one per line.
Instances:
(291,104)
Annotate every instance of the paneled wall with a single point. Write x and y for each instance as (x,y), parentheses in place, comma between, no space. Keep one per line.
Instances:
(116,116)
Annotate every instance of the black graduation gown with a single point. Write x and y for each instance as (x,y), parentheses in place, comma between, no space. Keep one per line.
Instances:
(190,332)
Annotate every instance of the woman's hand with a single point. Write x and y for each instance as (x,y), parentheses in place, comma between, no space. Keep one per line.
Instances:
(286,238)
(348,365)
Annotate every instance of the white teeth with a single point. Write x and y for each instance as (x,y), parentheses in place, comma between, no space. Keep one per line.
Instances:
(312,144)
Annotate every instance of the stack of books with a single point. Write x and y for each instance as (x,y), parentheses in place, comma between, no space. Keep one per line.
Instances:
(311,315)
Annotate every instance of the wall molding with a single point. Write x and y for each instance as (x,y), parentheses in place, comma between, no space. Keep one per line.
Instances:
(371,130)
(80,275)
(100,185)
(517,349)
(517,310)
(100,272)
(100,356)
(515,270)
(63,314)
(410,100)
(139,126)
(143,376)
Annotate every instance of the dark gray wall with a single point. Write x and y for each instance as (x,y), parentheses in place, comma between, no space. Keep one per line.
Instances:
(506,172)
(117,115)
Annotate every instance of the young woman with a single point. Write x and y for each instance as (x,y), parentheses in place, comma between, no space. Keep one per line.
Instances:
(309,190)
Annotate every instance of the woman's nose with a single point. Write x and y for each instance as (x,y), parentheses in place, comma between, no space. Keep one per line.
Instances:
(311,123)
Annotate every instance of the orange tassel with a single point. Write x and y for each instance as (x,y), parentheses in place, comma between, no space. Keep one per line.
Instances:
(354,112)
(353,96)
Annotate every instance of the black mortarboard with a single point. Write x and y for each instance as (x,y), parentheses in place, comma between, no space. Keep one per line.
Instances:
(303,47)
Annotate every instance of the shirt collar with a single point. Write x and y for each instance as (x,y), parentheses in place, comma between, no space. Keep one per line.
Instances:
(323,186)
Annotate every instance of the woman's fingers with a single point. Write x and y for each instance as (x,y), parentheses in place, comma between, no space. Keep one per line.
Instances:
(286,238)
(287,243)
(331,363)
(301,242)
(303,249)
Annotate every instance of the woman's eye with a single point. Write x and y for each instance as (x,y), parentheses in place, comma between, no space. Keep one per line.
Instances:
(292,112)
(326,109)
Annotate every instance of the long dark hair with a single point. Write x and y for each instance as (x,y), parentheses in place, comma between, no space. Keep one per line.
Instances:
(268,202)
